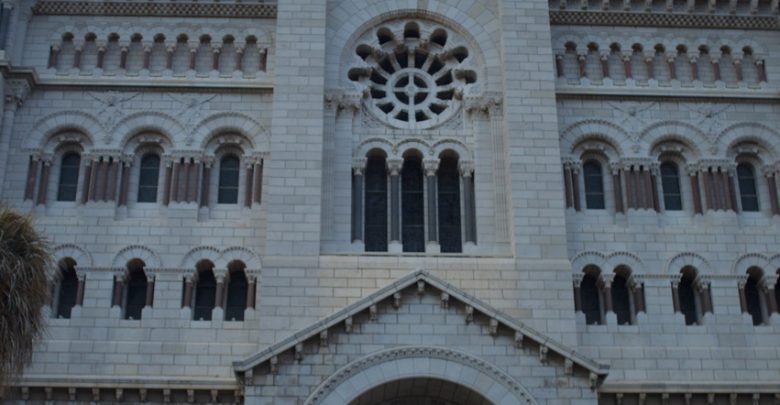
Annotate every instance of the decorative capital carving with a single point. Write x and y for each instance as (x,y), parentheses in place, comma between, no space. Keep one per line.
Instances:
(431,167)
(466,168)
(359,166)
(16,92)
(394,166)
(488,103)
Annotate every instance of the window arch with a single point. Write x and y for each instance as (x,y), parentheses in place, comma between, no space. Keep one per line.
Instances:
(69,177)
(412,205)
(590,293)
(670,184)
(376,203)
(753,296)
(621,297)
(748,191)
(594,185)
(236,302)
(450,240)
(205,291)
(229,169)
(68,289)
(137,287)
(149,177)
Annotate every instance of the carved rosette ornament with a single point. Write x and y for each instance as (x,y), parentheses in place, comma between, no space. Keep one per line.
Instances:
(413,73)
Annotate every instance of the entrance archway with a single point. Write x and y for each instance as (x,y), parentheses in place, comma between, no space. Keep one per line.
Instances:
(425,366)
(420,391)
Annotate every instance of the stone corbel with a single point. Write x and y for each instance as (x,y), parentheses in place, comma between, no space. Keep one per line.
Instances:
(16,92)
(397,300)
(372,312)
(543,350)
(420,287)
(568,367)
(298,352)
(324,338)
(469,314)
(493,327)
(348,325)
(519,339)
(445,300)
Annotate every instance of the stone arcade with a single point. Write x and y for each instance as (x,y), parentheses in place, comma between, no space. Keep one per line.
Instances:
(388,202)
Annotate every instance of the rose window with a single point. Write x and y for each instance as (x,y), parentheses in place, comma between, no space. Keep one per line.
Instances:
(413,80)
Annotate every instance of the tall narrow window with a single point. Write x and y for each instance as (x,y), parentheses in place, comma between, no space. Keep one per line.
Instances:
(69,177)
(753,298)
(136,292)
(449,205)
(670,182)
(591,298)
(147,182)
(205,294)
(594,185)
(376,204)
(68,289)
(229,168)
(621,301)
(413,228)
(687,296)
(747,187)
(236,292)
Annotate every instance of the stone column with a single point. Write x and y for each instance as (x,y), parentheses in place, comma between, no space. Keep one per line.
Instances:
(251,291)
(5,19)
(92,178)
(469,201)
(174,188)
(676,295)
(111,186)
(771,303)
(567,186)
(15,92)
(770,176)
(32,177)
(703,290)
(80,290)
(638,292)
(694,67)
(187,299)
(257,189)
(627,65)
(87,178)
(708,192)
(617,188)
(166,194)
(250,172)
(149,291)
(559,66)
(431,166)
(218,300)
(119,287)
(44,184)
(575,185)
(693,174)
(394,168)
(358,167)
(124,183)
(205,182)
(577,293)
(742,297)
(715,69)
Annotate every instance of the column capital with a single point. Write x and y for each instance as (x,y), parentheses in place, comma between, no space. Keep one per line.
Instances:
(359,166)
(394,166)
(466,168)
(431,166)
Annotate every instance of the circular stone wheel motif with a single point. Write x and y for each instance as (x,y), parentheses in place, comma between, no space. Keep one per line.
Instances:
(412,82)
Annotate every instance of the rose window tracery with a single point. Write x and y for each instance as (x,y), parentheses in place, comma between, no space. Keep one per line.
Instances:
(413,77)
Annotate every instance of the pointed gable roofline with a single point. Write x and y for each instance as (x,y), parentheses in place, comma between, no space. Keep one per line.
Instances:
(419,278)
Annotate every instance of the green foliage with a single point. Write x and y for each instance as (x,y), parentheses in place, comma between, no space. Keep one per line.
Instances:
(25,260)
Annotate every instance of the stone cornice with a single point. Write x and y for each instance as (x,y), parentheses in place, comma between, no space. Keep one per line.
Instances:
(148,9)
(669,20)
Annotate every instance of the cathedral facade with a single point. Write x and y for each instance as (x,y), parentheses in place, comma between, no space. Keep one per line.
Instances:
(387,202)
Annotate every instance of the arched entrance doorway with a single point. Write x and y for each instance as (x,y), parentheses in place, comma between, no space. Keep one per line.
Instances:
(415,374)
(420,391)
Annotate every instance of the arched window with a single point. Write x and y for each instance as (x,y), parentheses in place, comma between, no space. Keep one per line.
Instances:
(754,304)
(229,168)
(135,299)
(69,177)
(747,187)
(68,288)
(449,205)
(412,224)
(149,175)
(687,296)
(376,204)
(670,182)
(591,297)
(205,292)
(621,299)
(236,292)
(594,185)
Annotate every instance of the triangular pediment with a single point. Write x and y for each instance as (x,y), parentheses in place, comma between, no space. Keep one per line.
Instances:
(423,282)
